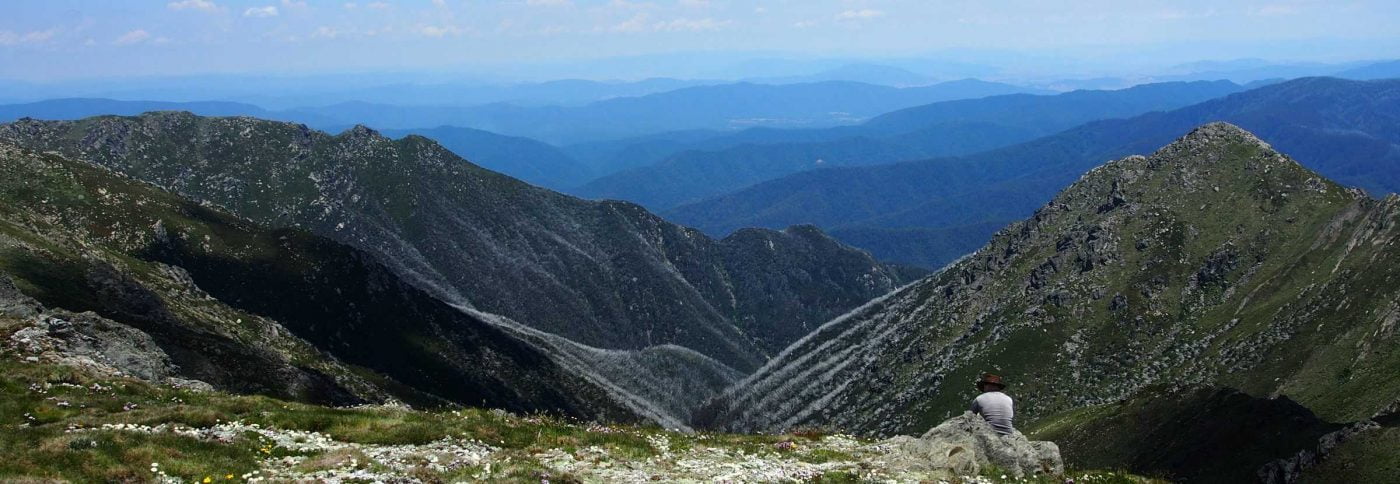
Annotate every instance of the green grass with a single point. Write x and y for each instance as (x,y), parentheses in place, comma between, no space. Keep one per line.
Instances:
(1373,456)
(40,403)
(819,456)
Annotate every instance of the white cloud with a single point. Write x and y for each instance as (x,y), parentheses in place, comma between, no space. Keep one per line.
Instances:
(201,5)
(695,3)
(377,5)
(549,3)
(33,37)
(1275,10)
(440,3)
(133,37)
(553,30)
(629,5)
(689,25)
(291,4)
(642,22)
(439,31)
(350,5)
(637,23)
(261,12)
(324,32)
(862,14)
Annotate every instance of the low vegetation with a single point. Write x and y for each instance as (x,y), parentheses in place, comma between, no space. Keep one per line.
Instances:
(67,423)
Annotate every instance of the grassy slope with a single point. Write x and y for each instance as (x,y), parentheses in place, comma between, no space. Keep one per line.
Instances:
(1371,457)
(41,448)
(1233,266)
(57,425)
(357,329)
(1214,435)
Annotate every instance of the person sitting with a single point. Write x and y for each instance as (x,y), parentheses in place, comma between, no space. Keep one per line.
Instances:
(994,406)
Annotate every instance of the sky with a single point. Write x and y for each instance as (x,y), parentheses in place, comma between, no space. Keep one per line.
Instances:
(47,40)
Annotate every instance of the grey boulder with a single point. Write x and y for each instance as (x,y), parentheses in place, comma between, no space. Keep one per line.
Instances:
(966,445)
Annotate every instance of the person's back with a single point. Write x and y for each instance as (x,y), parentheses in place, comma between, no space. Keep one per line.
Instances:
(997,409)
(994,406)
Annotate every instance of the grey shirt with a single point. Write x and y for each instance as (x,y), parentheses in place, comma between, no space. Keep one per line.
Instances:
(996,409)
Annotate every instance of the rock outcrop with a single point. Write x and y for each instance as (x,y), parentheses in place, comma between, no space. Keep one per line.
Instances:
(87,340)
(1292,469)
(966,445)
(15,303)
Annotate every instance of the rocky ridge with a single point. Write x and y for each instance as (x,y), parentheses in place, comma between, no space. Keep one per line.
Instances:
(604,274)
(1214,261)
(115,271)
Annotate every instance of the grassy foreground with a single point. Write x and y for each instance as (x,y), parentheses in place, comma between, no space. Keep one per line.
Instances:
(60,422)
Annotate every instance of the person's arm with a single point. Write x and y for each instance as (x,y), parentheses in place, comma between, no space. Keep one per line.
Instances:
(975,408)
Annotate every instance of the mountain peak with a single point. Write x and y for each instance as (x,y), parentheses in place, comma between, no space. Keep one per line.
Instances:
(1213,157)
(362,131)
(1214,134)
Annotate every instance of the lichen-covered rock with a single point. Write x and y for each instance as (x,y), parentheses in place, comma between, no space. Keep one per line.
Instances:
(89,340)
(15,303)
(966,445)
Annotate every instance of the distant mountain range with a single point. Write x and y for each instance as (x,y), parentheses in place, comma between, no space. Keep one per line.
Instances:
(717,107)
(78,108)
(1250,70)
(720,108)
(931,212)
(722,164)
(1380,70)
(531,161)
(1119,309)
(565,92)
(877,74)
(279,92)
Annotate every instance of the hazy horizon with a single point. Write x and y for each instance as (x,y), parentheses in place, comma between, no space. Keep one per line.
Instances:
(538,40)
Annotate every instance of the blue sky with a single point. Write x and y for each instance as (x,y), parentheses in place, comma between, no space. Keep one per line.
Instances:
(61,39)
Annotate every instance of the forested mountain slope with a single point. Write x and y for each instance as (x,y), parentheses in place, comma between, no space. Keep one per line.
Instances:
(930,212)
(689,172)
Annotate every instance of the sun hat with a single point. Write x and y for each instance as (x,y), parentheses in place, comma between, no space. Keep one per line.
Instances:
(991,379)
